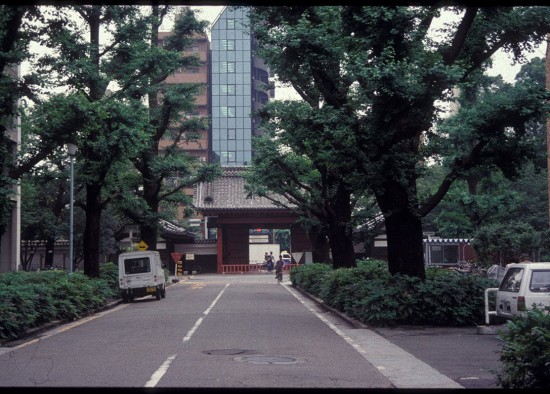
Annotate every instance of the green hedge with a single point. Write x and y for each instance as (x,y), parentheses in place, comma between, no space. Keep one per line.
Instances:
(29,299)
(371,295)
(526,351)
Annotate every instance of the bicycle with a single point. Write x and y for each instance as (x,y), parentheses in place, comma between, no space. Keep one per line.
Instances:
(279,276)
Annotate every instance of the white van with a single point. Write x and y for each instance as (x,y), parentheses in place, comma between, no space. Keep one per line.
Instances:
(141,274)
(523,285)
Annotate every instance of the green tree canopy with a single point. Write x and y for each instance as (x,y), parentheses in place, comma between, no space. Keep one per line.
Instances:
(379,75)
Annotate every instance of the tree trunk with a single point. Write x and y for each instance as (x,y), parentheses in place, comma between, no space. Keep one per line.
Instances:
(92,231)
(341,244)
(340,230)
(405,251)
(48,260)
(149,235)
(149,229)
(319,244)
(403,229)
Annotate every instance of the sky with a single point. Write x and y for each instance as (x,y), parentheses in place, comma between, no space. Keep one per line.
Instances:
(502,62)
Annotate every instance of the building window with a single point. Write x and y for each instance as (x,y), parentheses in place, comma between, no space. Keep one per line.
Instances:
(228,67)
(228,45)
(228,112)
(443,254)
(228,90)
(230,24)
(228,157)
(231,134)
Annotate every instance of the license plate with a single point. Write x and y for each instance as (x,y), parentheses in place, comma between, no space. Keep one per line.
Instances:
(151,289)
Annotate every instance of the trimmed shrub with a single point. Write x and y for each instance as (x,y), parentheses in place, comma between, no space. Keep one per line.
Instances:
(339,289)
(309,277)
(109,273)
(371,295)
(29,299)
(525,355)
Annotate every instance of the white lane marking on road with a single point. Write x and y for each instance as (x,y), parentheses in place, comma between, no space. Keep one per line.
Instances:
(206,312)
(159,373)
(402,368)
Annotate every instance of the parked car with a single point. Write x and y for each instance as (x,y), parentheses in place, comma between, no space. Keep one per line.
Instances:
(287,258)
(523,285)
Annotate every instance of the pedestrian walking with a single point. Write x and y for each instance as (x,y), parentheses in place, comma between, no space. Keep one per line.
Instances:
(269,263)
(279,268)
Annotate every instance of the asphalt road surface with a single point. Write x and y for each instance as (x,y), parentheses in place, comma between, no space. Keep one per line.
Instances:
(236,331)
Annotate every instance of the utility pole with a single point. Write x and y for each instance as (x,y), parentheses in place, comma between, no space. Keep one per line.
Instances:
(548,121)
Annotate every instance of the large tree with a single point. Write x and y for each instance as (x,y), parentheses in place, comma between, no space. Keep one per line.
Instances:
(170,123)
(87,45)
(20,25)
(487,203)
(292,170)
(382,73)
(17,30)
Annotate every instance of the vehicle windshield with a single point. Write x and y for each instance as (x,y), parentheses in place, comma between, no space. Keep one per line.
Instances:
(540,281)
(137,266)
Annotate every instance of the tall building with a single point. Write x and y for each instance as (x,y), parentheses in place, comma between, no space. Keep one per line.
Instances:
(201,48)
(199,148)
(237,79)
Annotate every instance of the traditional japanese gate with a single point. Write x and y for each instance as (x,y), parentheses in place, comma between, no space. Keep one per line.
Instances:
(224,202)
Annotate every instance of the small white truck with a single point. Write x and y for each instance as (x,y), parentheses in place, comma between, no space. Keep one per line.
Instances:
(141,274)
(523,285)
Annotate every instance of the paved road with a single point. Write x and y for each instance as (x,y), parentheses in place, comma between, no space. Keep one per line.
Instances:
(460,353)
(222,331)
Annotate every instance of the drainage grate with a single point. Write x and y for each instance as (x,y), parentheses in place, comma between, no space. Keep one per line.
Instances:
(267,360)
(228,352)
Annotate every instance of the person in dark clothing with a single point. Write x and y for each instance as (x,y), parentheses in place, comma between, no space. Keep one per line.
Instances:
(269,262)
(279,268)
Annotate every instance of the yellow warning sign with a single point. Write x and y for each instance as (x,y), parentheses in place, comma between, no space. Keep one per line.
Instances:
(142,245)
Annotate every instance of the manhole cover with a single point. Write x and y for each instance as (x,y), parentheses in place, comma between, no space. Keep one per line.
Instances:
(267,360)
(227,352)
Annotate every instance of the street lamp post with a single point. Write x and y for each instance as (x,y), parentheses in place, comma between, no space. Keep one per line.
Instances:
(72,152)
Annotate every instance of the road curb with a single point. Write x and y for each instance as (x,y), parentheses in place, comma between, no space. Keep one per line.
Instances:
(491,330)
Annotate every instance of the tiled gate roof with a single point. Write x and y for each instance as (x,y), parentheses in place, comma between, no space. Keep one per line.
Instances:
(228,193)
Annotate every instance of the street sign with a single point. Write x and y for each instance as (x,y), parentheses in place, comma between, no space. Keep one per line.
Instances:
(176,256)
(142,245)
(194,222)
(297,256)
(189,256)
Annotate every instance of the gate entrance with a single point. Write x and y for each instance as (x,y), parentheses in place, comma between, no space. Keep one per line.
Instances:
(225,203)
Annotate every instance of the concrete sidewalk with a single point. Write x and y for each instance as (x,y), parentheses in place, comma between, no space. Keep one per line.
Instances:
(420,357)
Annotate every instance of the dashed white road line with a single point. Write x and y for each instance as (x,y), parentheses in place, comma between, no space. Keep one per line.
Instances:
(159,373)
(205,313)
